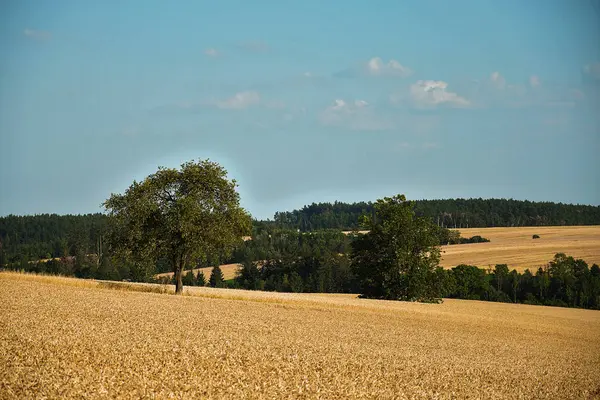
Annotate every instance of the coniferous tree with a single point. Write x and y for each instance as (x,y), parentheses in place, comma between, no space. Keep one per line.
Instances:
(200,279)
(216,278)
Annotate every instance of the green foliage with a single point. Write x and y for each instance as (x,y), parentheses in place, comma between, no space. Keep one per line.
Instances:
(200,279)
(249,276)
(470,282)
(450,213)
(49,235)
(183,215)
(397,258)
(189,279)
(216,278)
(565,282)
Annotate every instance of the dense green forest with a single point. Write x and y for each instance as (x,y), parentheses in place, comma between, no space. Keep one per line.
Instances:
(42,236)
(451,213)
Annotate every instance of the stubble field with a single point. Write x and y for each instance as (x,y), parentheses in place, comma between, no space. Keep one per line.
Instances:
(68,338)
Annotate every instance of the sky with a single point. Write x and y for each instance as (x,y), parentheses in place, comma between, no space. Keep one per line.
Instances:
(301,101)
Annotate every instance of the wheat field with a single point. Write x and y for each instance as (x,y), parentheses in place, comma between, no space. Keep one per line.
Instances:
(229,271)
(69,338)
(515,246)
(512,246)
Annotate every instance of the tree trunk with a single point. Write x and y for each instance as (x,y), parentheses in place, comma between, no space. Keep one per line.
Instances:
(178,280)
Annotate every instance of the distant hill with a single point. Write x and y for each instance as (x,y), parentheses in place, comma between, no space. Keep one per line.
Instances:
(450,213)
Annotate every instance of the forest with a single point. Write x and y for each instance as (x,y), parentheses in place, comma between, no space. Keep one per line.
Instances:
(450,213)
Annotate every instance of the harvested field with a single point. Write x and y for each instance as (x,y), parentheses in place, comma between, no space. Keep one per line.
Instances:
(69,338)
(515,246)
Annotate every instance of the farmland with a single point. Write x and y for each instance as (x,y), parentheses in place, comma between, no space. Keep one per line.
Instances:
(515,246)
(68,338)
(512,246)
(229,271)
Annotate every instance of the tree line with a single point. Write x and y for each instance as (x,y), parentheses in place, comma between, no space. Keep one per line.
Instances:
(450,213)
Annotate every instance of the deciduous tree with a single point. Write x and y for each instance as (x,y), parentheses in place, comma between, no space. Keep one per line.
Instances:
(181,214)
(397,258)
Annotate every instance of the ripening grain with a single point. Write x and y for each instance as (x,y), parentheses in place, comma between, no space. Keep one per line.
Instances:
(515,247)
(229,271)
(66,338)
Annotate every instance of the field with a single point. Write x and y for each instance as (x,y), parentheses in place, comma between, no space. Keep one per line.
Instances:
(512,246)
(515,246)
(69,338)
(229,271)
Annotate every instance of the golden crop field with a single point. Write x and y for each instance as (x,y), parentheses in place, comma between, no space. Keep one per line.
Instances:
(229,271)
(68,338)
(515,246)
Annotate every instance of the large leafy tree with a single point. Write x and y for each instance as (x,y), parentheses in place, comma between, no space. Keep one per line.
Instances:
(183,215)
(397,258)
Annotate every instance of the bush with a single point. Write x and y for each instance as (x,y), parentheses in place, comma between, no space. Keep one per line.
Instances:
(535,237)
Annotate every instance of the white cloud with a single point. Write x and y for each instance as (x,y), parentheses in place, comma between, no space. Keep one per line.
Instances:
(212,53)
(428,93)
(357,115)
(240,101)
(377,67)
(37,34)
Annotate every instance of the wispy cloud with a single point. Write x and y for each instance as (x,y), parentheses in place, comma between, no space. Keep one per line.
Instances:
(36,34)
(376,67)
(240,101)
(211,52)
(497,92)
(255,46)
(357,115)
(534,81)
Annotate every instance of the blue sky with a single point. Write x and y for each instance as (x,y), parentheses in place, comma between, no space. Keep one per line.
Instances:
(300,101)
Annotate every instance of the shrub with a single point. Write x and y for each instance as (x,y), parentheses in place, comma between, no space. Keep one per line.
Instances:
(535,237)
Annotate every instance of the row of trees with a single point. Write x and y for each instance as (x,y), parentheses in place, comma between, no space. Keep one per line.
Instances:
(51,236)
(566,282)
(451,213)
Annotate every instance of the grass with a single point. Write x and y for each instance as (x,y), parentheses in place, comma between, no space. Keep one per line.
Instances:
(517,248)
(71,338)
